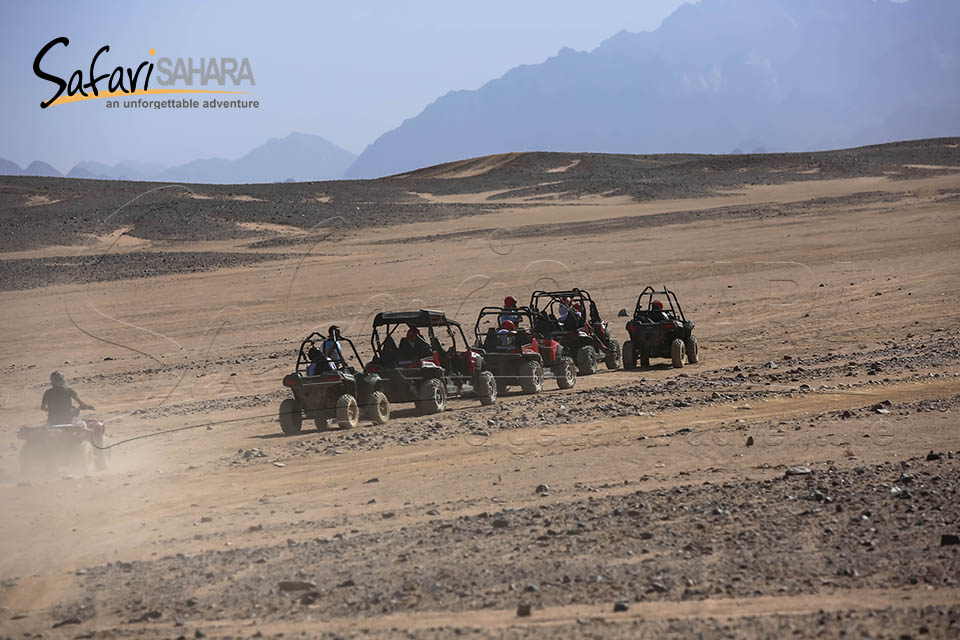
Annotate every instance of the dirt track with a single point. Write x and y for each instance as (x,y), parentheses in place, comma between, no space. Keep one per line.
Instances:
(827,314)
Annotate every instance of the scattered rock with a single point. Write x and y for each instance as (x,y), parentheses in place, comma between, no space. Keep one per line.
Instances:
(750,441)
(798,471)
(372,480)
(63,623)
(543,488)
(620,605)
(949,539)
(296,585)
(501,523)
(934,456)
(524,610)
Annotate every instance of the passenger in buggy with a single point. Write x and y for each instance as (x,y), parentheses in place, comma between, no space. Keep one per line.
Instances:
(319,363)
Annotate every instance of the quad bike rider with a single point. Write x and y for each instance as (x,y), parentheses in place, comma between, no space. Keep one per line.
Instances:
(571,317)
(658,332)
(421,369)
(516,354)
(67,440)
(327,387)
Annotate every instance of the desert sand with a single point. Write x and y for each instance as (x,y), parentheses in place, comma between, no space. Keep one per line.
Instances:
(827,314)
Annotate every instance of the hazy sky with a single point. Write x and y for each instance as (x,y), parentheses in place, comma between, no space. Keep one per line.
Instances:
(346,71)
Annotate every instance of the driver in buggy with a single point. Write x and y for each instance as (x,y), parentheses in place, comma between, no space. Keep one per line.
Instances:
(657,314)
(413,347)
(58,400)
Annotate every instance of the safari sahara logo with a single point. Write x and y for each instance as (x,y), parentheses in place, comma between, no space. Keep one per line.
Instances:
(179,75)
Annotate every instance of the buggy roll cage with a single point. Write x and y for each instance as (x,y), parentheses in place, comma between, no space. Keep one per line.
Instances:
(669,296)
(586,302)
(521,312)
(302,358)
(423,319)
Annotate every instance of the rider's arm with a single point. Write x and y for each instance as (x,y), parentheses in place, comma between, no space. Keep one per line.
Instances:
(43,402)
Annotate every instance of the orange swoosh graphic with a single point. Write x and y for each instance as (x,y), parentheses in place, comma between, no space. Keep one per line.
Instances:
(140,92)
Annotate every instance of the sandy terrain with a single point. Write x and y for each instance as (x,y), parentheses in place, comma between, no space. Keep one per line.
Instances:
(826,307)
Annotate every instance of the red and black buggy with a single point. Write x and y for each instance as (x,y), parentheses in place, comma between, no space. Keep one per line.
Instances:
(427,369)
(517,354)
(572,319)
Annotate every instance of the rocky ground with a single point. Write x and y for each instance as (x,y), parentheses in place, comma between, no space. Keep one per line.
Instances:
(800,481)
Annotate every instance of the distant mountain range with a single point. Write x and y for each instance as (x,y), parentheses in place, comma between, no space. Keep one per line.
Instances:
(719,75)
(298,157)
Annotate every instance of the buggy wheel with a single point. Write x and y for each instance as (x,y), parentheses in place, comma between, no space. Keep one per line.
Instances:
(488,388)
(693,349)
(644,357)
(613,356)
(433,397)
(379,410)
(348,413)
(587,361)
(502,387)
(566,374)
(531,377)
(676,352)
(291,420)
(629,357)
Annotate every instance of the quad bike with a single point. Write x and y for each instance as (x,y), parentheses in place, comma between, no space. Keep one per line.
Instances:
(521,357)
(76,447)
(331,389)
(424,371)
(659,333)
(572,319)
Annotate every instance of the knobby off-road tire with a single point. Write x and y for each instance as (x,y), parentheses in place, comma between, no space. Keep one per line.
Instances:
(379,409)
(291,419)
(629,357)
(566,374)
(587,361)
(693,349)
(348,412)
(644,357)
(488,388)
(677,352)
(433,397)
(531,380)
(612,359)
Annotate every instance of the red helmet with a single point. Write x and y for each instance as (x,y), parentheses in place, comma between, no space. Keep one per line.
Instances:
(577,306)
(509,301)
(656,304)
(412,333)
(508,325)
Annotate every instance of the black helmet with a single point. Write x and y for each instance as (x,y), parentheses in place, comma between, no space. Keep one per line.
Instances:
(57,379)
(333,331)
(314,354)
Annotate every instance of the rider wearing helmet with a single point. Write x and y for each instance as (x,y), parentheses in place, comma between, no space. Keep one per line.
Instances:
(331,346)
(657,314)
(413,347)
(58,401)
(512,316)
(507,333)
